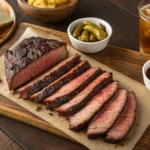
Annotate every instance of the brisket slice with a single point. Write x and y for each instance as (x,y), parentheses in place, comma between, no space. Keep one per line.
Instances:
(79,100)
(125,121)
(54,86)
(81,119)
(48,77)
(64,94)
(102,122)
(30,58)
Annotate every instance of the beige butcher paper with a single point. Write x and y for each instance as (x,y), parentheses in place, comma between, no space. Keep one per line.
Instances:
(142,94)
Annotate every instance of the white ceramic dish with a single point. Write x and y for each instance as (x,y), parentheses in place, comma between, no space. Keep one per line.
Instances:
(89,47)
(146,80)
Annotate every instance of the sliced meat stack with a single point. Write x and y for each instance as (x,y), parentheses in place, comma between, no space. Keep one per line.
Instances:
(125,121)
(86,95)
(54,86)
(104,120)
(73,87)
(81,119)
(79,100)
(48,77)
(30,58)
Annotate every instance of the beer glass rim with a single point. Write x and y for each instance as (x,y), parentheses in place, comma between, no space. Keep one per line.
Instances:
(139,8)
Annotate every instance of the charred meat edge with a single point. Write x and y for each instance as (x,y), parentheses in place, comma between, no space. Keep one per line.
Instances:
(96,100)
(129,112)
(121,94)
(54,86)
(60,100)
(107,78)
(48,77)
(27,55)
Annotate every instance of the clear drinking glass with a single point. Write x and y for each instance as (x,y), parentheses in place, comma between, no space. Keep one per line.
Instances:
(144,19)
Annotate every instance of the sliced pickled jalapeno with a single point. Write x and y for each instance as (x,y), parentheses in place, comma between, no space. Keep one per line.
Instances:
(78,30)
(92,38)
(87,22)
(84,36)
(98,32)
(102,27)
(79,38)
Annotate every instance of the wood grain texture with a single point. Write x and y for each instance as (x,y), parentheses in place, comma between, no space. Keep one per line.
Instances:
(6,143)
(127,62)
(124,4)
(143,142)
(31,138)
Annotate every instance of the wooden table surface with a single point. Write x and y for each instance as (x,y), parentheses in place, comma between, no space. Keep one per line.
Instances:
(125,34)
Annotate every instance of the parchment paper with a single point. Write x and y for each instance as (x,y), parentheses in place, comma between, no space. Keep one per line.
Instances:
(143,100)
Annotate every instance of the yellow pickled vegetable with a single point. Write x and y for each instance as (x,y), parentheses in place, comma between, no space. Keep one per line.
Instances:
(97,31)
(93,38)
(78,30)
(84,36)
(89,32)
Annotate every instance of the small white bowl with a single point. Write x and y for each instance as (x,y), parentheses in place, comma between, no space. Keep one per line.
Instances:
(89,47)
(145,78)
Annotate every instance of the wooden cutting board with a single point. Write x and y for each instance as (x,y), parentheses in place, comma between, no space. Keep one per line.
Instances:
(125,61)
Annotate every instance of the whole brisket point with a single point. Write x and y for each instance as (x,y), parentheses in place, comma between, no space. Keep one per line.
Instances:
(81,119)
(57,84)
(70,89)
(48,77)
(30,58)
(104,120)
(79,100)
(125,121)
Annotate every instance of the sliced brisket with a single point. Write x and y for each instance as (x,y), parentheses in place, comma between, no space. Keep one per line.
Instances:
(54,86)
(48,77)
(81,119)
(125,121)
(64,94)
(30,58)
(102,122)
(79,100)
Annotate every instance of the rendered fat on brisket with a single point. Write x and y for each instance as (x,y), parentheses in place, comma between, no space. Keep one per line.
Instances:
(64,94)
(81,119)
(57,84)
(48,77)
(79,100)
(30,58)
(104,120)
(125,121)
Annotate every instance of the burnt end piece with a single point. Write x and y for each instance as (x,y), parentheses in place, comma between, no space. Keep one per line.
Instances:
(26,54)
(48,77)
(72,88)
(54,86)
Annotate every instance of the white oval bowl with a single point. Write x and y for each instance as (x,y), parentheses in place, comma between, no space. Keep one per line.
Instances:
(89,47)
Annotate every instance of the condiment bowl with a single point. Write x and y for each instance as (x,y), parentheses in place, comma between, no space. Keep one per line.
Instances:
(145,78)
(89,47)
(48,15)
